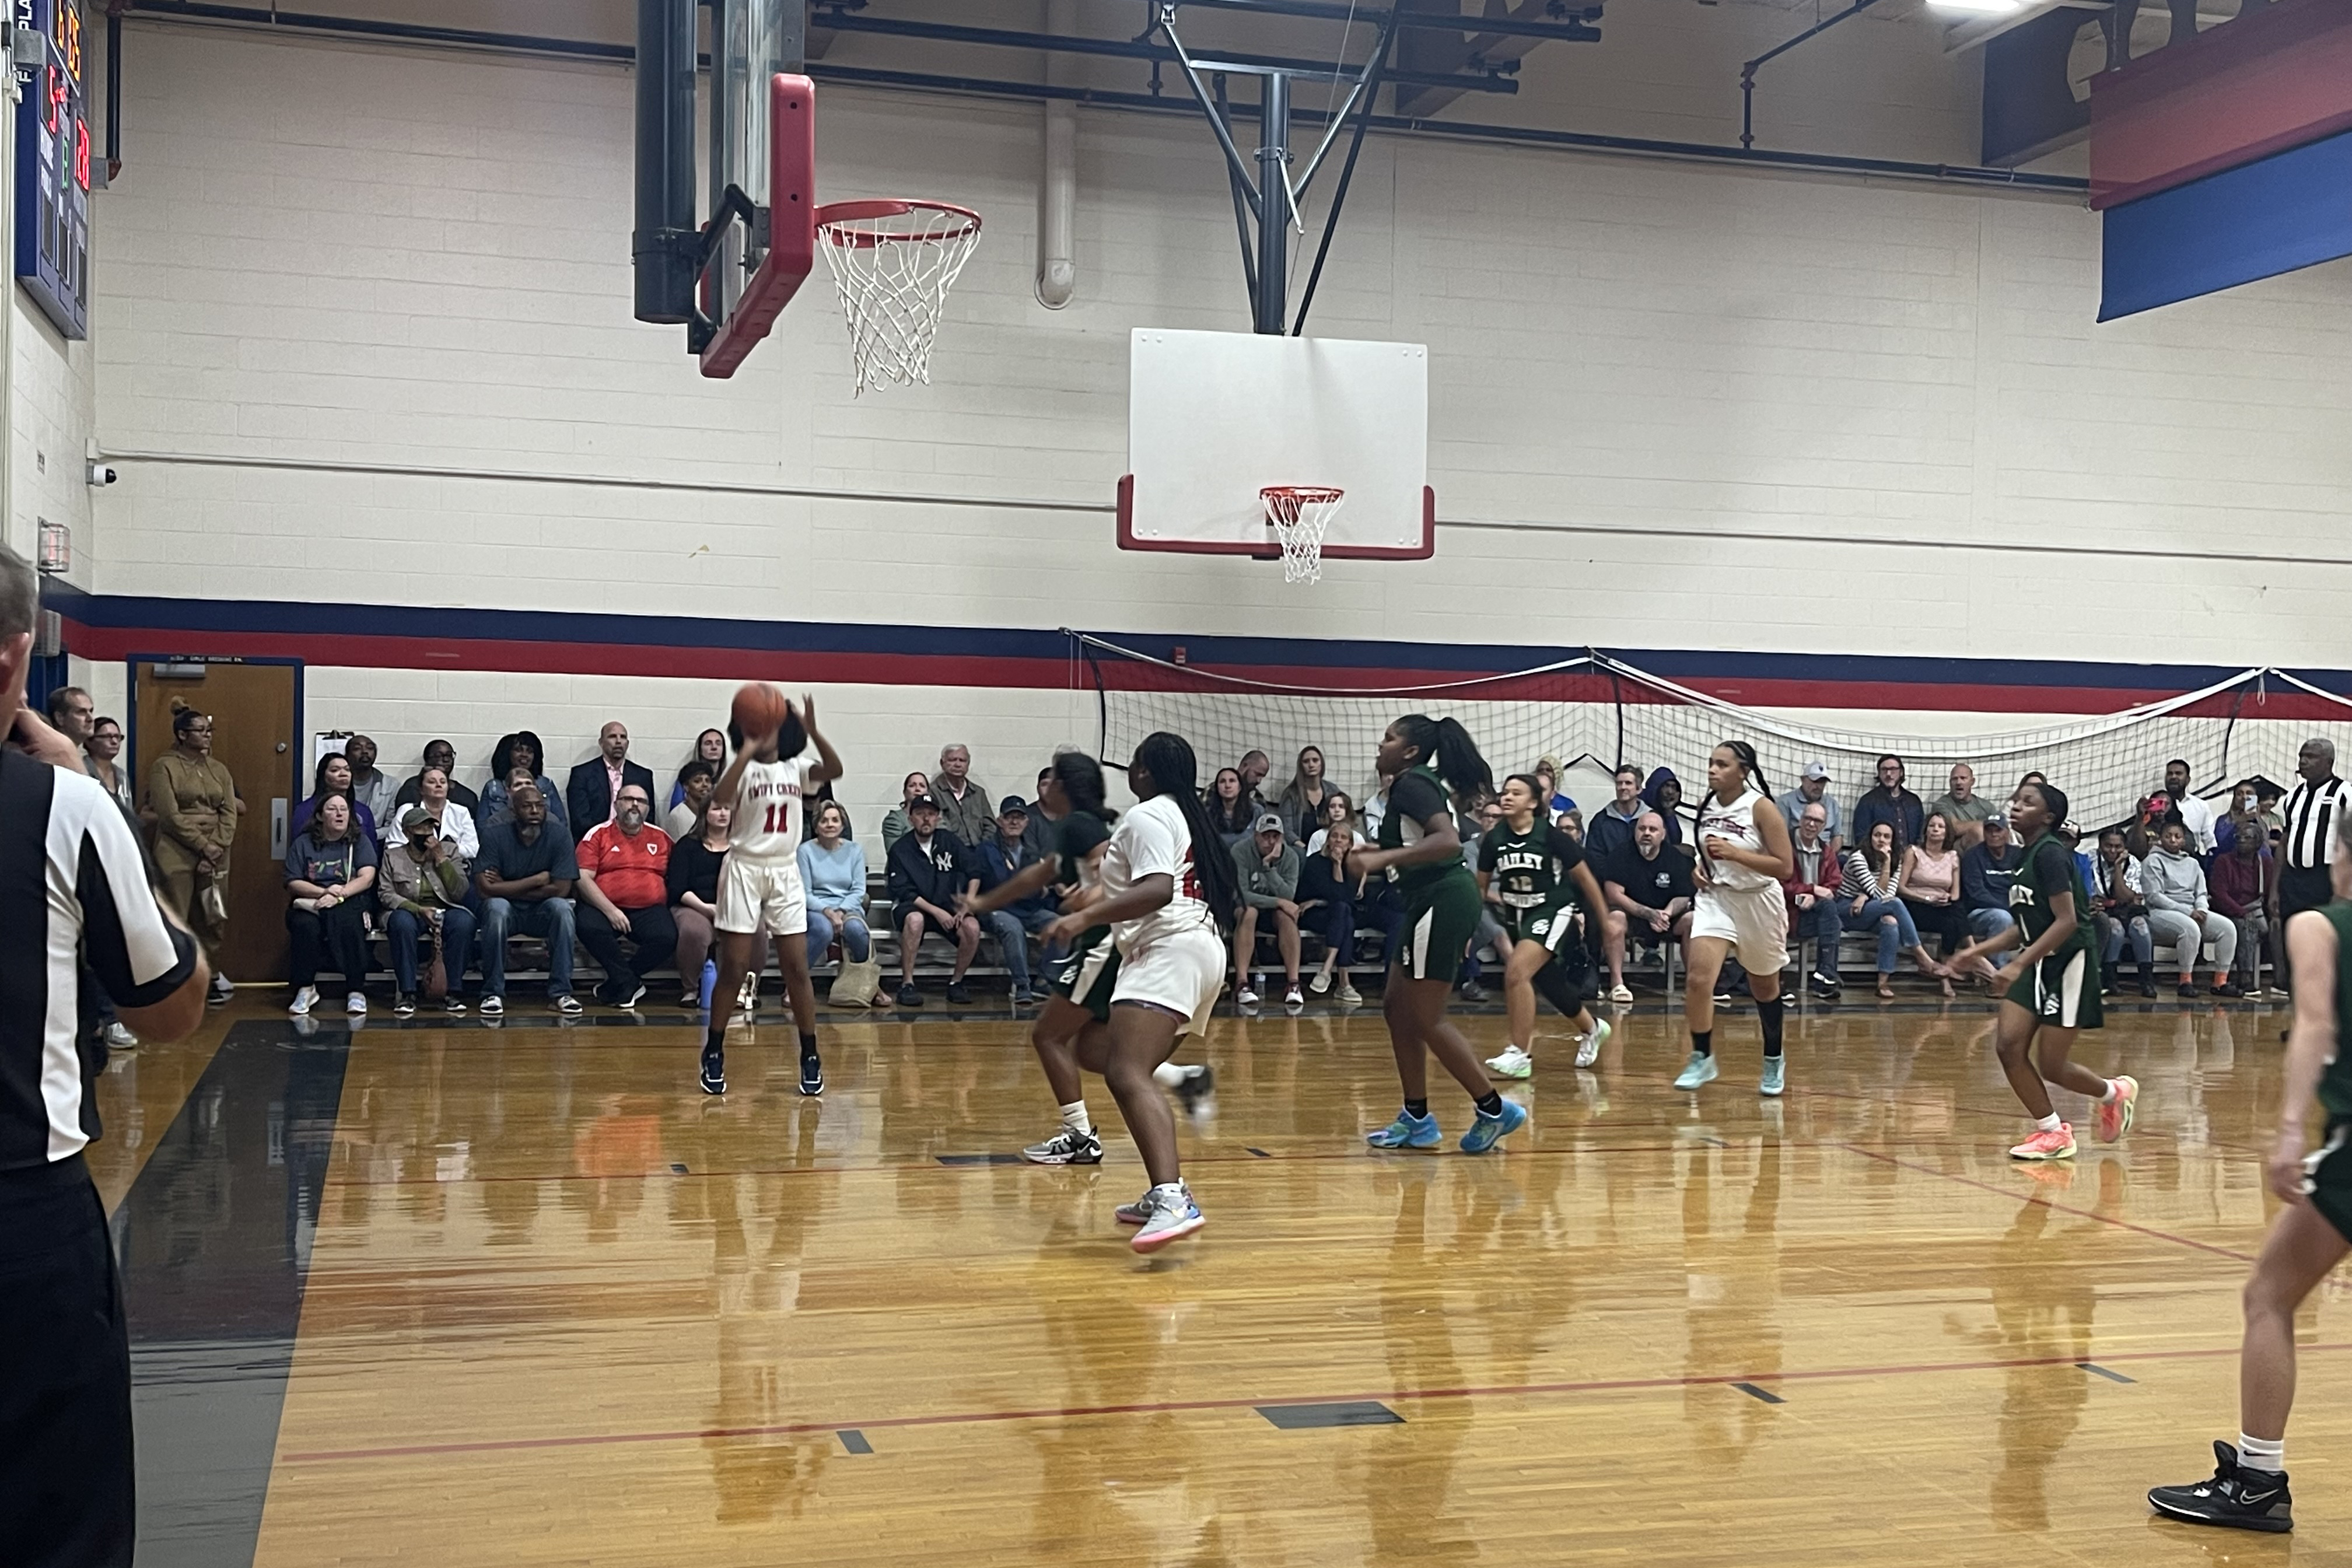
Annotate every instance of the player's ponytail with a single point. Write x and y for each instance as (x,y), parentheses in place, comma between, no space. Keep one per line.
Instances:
(1174,774)
(1447,746)
(1081,778)
(1746,755)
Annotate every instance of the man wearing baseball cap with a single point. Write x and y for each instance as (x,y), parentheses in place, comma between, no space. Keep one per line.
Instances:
(1267,864)
(1002,858)
(927,871)
(1813,789)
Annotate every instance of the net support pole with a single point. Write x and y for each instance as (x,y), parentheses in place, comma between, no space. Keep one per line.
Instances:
(663,248)
(1273,219)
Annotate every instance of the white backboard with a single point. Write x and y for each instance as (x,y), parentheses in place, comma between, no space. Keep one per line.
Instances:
(1214,418)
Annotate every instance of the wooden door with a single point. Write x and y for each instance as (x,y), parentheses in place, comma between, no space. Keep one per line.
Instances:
(255,732)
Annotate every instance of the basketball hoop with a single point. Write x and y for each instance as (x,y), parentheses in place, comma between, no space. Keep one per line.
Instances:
(894,262)
(1299,514)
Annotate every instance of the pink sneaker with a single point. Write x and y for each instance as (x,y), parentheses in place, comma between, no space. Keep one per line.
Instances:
(2057,1145)
(2116,1115)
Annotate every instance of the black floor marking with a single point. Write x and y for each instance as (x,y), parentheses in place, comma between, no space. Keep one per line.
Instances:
(1259,1152)
(215,1242)
(854,1441)
(1343,1413)
(1766,1394)
(981,1159)
(677,1169)
(2096,1370)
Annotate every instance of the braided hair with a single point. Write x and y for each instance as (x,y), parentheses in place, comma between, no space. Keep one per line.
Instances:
(1746,755)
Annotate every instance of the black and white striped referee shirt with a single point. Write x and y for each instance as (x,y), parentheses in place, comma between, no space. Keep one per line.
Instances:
(2310,814)
(73,892)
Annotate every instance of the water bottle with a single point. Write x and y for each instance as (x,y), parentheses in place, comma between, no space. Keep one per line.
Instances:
(710,981)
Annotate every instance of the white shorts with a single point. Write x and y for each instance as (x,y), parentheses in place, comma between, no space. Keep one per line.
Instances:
(762,895)
(1756,924)
(1179,973)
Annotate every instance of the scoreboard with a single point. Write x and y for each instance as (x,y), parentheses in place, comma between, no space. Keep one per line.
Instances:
(53,169)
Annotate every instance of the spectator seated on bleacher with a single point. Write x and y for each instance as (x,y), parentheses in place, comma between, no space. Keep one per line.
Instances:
(1813,883)
(443,755)
(520,753)
(1650,891)
(2119,914)
(1813,789)
(422,885)
(2180,913)
(695,862)
(927,869)
(1003,857)
(450,821)
(1987,869)
(965,809)
(695,782)
(1334,904)
(592,795)
(525,877)
(1268,864)
(1609,833)
(624,883)
(331,868)
(896,821)
(1962,807)
(1888,802)
(2244,888)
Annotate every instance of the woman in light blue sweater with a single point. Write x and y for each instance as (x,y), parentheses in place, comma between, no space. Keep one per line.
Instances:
(833,870)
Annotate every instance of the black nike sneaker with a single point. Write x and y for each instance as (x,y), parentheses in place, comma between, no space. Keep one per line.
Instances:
(2236,1497)
(714,1073)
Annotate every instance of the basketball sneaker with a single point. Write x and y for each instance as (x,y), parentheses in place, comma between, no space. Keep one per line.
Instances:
(713,1076)
(812,1076)
(1699,1069)
(1172,1216)
(1407,1131)
(1068,1147)
(1588,1050)
(1135,1213)
(1487,1130)
(1776,1076)
(2236,1497)
(2057,1144)
(1513,1063)
(2116,1115)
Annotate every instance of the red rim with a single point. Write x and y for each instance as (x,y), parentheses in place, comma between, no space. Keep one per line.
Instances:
(832,221)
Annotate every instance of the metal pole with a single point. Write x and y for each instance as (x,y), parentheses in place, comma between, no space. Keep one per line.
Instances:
(1241,209)
(662,245)
(1273,219)
(1370,87)
(113,94)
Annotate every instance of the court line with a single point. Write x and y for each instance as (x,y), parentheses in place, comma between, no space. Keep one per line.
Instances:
(1251,1402)
(2044,1202)
(2013,1114)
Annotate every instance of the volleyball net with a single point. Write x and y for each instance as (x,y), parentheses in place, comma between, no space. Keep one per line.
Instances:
(1596,712)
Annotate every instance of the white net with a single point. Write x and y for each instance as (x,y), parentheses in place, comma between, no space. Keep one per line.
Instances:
(1300,515)
(1592,712)
(894,263)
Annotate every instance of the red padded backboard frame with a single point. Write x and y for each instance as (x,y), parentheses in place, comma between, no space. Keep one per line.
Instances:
(791,226)
(1270,551)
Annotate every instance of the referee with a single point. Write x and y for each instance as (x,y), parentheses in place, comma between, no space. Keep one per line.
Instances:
(74,894)
(2312,812)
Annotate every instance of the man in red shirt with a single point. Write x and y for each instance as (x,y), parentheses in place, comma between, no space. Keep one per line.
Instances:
(624,890)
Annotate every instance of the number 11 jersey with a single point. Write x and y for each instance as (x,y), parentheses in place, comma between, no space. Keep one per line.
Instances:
(767,824)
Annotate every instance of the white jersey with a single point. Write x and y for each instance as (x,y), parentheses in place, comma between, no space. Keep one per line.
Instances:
(1154,840)
(767,824)
(1736,823)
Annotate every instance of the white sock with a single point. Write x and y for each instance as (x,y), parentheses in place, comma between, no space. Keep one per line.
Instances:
(2049,1123)
(1074,1117)
(2259,1454)
(2113,1090)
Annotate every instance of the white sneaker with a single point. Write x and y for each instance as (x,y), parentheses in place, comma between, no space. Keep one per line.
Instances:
(1319,982)
(1291,998)
(1621,993)
(120,1038)
(1349,996)
(747,999)
(1587,1050)
(1171,1216)
(355,1003)
(304,1000)
(1246,998)
(1513,1063)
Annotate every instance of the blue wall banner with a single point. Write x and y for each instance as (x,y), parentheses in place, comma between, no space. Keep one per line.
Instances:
(2290,210)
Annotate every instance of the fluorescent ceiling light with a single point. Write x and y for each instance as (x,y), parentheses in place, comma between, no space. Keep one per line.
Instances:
(1979,7)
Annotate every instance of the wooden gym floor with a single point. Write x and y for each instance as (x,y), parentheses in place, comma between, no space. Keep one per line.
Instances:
(417,1294)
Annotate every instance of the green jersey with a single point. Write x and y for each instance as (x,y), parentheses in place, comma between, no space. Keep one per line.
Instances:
(2336,1078)
(1530,870)
(1415,797)
(2049,869)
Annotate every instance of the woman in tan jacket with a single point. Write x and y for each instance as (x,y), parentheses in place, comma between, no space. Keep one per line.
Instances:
(195,805)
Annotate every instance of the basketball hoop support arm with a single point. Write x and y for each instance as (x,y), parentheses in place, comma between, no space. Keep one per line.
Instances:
(1267,271)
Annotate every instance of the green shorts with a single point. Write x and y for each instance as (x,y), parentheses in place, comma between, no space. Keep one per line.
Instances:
(1439,921)
(1090,973)
(2328,1175)
(2062,991)
(1554,926)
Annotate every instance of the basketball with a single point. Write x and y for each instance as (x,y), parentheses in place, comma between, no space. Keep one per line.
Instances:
(760,709)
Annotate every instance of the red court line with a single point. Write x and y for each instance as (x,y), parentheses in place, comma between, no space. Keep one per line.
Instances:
(1248,1401)
(2045,1202)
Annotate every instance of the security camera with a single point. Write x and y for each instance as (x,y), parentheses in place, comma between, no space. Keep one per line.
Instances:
(102,475)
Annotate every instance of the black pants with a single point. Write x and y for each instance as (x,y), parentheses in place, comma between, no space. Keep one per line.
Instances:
(1948,923)
(328,939)
(651,931)
(66,1472)
(2301,888)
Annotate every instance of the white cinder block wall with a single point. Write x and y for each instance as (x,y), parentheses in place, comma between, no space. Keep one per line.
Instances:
(1673,405)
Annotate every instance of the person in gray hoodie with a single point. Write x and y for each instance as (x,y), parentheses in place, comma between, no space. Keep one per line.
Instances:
(1268,864)
(2180,913)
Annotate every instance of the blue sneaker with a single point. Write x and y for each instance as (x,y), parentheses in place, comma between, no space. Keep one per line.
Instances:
(1776,1076)
(1408,1132)
(1699,1069)
(1488,1130)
